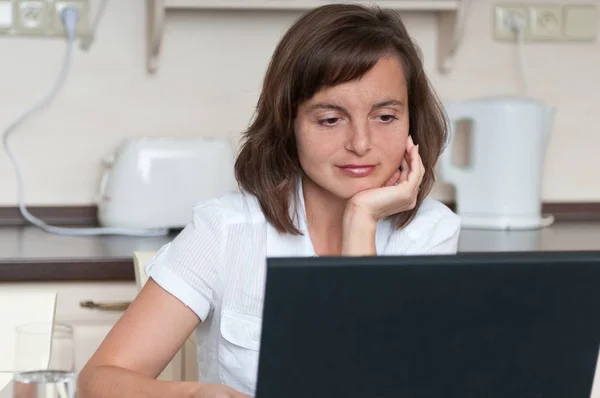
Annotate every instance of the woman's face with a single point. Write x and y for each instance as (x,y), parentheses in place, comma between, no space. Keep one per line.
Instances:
(352,137)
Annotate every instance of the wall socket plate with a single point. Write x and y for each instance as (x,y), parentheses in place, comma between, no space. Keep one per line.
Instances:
(546,22)
(83,9)
(41,18)
(31,16)
(502,16)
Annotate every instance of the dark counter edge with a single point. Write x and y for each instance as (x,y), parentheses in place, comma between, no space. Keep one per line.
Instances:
(121,269)
(67,270)
(88,215)
(54,215)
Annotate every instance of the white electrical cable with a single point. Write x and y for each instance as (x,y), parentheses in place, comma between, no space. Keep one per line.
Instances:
(517,23)
(522,59)
(69,17)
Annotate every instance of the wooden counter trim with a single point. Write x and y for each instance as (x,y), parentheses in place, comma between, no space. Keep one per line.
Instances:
(66,270)
(53,215)
(584,211)
(566,211)
(87,215)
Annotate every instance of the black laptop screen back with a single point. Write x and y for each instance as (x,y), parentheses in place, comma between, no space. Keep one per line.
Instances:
(511,325)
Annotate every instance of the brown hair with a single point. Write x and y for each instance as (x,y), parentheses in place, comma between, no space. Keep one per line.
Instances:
(329,45)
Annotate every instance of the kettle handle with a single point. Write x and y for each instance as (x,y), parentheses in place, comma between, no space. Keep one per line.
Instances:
(448,171)
(108,162)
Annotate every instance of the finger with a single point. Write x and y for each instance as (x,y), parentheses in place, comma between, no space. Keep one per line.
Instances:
(405,170)
(409,143)
(419,165)
(415,175)
(393,179)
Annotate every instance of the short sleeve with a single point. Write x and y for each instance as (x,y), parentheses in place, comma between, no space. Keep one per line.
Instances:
(435,230)
(189,266)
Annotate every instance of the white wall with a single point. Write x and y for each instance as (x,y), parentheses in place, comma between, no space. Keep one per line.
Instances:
(208,83)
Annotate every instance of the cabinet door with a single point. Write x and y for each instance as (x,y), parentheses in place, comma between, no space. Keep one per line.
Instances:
(90,325)
(88,337)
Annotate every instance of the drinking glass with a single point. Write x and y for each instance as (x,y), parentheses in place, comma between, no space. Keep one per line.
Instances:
(44,361)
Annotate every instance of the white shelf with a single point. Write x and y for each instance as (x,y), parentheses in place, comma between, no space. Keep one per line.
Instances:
(446,12)
(417,5)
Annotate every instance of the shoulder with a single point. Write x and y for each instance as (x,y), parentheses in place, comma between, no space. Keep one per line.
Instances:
(231,209)
(434,229)
(433,214)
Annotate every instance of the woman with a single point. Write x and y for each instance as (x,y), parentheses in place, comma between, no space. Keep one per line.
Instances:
(338,161)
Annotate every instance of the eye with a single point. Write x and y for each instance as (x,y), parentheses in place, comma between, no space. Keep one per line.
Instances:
(330,121)
(387,118)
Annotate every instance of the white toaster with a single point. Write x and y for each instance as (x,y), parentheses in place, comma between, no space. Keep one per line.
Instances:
(156,182)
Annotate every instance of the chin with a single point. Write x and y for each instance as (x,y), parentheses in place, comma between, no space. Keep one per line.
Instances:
(350,188)
(344,188)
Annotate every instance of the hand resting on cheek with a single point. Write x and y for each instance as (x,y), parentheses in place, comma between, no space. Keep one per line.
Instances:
(398,194)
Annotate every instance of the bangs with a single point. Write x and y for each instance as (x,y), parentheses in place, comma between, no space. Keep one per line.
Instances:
(339,61)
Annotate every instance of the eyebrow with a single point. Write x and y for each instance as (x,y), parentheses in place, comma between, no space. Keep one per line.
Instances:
(381,104)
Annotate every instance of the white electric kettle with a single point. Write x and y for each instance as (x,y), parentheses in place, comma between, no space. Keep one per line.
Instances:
(500,188)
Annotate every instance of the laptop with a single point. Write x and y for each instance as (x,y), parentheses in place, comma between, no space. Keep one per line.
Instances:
(472,325)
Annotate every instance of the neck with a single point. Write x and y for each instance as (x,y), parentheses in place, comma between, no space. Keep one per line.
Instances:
(324,217)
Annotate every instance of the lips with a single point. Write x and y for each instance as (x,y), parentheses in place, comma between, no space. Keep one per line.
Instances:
(356,170)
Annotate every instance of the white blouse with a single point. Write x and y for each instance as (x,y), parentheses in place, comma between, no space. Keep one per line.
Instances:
(216,266)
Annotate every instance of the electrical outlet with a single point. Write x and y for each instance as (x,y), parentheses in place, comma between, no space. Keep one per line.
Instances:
(83,9)
(31,17)
(503,18)
(41,17)
(545,22)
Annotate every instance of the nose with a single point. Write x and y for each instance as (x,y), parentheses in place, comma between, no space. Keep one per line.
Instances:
(359,139)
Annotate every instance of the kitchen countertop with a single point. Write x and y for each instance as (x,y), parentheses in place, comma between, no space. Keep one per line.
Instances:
(29,254)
